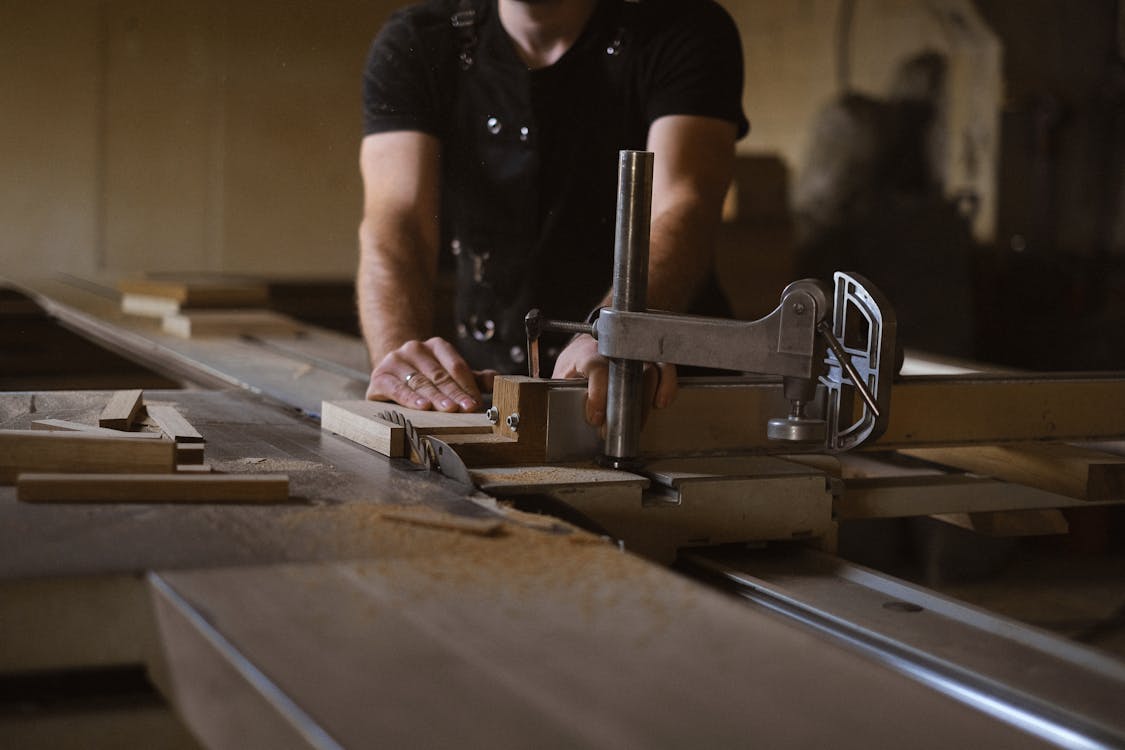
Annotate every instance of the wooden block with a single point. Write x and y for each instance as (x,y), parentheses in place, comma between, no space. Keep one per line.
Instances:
(193,468)
(369,431)
(173,424)
(1031,522)
(48,451)
(148,305)
(229,323)
(122,410)
(153,488)
(1054,467)
(356,421)
(62,425)
(524,401)
(189,453)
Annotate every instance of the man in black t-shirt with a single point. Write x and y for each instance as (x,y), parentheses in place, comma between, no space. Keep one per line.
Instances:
(492,129)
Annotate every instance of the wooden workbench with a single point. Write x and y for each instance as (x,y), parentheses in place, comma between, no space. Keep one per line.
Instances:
(322,623)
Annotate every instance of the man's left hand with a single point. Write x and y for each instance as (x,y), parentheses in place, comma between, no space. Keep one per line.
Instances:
(580,359)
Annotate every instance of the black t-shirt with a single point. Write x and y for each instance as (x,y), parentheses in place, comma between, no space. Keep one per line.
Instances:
(529,157)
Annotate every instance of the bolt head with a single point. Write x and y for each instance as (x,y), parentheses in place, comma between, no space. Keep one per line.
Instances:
(513,422)
(493,414)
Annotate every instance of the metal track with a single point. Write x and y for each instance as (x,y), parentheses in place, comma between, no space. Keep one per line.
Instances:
(1047,686)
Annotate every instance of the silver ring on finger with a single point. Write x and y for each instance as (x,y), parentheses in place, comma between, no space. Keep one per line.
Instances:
(409,378)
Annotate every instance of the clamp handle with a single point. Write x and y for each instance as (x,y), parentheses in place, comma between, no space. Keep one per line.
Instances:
(861,356)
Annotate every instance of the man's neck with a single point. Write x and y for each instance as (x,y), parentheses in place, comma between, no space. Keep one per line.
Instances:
(543,30)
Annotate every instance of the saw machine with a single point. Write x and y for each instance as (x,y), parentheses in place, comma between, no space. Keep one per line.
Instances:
(762,457)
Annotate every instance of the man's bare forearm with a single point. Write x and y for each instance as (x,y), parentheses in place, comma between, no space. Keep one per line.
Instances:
(394,288)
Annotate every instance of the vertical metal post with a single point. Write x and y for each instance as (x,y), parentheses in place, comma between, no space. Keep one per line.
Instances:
(630,293)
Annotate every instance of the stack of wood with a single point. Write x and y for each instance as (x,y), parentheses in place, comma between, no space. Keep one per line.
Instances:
(205,306)
(118,461)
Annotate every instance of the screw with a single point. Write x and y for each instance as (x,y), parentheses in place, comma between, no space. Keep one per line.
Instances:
(799,308)
(493,414)
(514,421)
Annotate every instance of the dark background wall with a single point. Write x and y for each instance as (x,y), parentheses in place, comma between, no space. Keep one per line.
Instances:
(1051,290)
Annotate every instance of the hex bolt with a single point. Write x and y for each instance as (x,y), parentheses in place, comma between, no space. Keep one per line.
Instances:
(493,415)
(513,421)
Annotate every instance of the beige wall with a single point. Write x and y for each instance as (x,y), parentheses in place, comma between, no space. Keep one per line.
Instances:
(221,135)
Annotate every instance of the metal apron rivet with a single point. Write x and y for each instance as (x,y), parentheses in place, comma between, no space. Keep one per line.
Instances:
(493,125)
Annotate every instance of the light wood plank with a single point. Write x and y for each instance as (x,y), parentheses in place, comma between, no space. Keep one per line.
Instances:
(45,451)
(357,421)
(193,324)
(1054,467)
(173,424)
(369,431)
(122,410)
(153,488)
(63,425)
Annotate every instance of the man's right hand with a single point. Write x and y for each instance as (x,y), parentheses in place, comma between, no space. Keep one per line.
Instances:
(429,374)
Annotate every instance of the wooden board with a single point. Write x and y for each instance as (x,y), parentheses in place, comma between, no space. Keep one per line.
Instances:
(123,410)
(153,488)
(731,415)
(198,323)
(63,425)
(357,421)
(1053,467)
(45,451)
(173,424)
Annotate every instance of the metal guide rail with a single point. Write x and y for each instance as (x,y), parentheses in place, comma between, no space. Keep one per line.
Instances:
(1050,687)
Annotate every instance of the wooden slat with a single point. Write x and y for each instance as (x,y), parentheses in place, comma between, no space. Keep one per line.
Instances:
(44,451)
(153,488)
(122,410)
(173,424)
(192,324)
(1031,522)
(63,425)
(899,497)
(200,291)
(1054,467)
